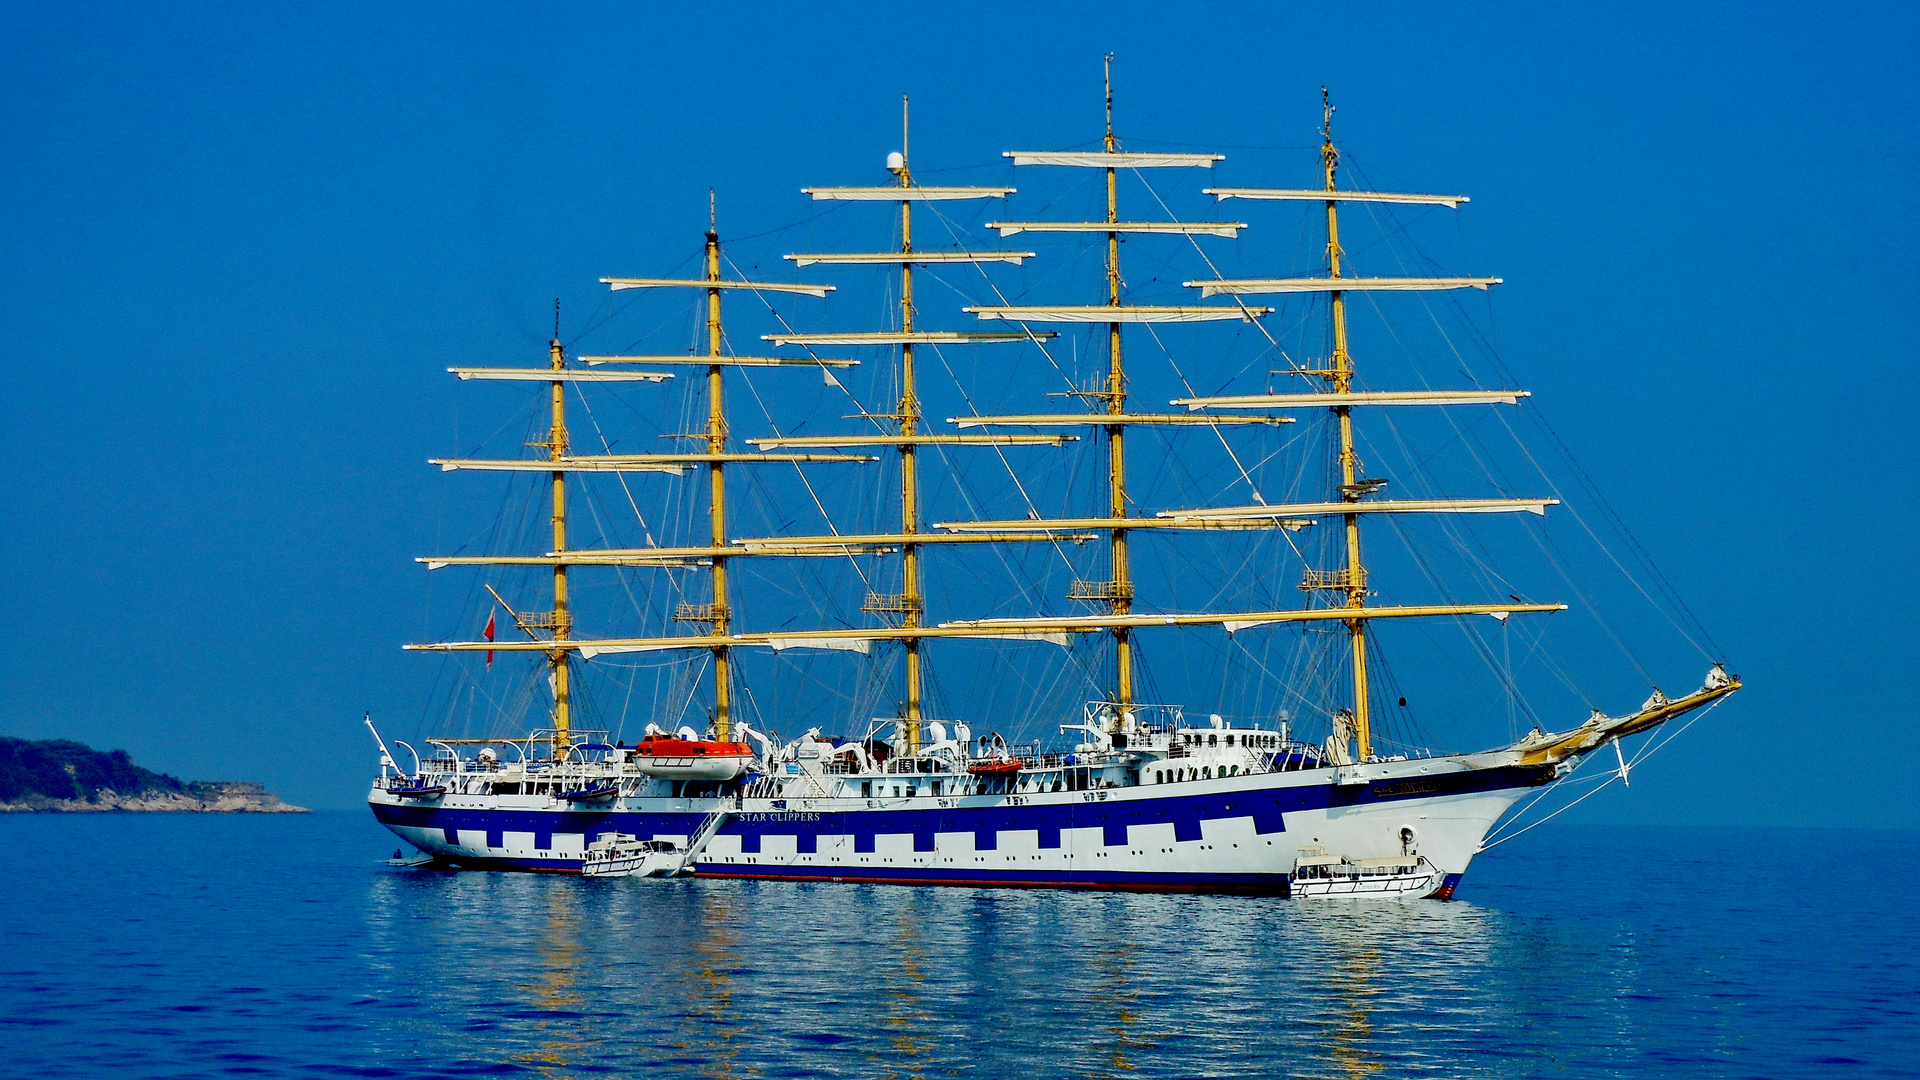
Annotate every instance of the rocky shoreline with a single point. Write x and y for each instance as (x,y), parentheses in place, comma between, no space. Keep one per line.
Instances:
(197,797)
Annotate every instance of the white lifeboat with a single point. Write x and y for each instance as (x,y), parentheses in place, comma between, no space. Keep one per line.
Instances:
(675,758)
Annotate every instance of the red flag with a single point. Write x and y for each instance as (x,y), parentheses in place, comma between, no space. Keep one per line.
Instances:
(489,637)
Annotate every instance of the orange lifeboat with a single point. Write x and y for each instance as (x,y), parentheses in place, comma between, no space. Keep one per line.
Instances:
(691,759)
(995,768)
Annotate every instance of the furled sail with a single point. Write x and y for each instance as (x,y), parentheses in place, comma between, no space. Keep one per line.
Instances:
(914,440)
(1262,286)
(566,465)
(1371,506)
(1103,419)
(895,258)
(897,337)
(722,361)
(1124,313)
(857,540)
(1244,619)
(618,283)
(905,194)
(1114,160)
(1309,194)
(627,462)
(592,647)
(551,375)
(1358,397)
(1196,520)
(1228,229)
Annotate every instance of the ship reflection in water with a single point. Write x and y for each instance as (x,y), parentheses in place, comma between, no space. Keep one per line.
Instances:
(560,976)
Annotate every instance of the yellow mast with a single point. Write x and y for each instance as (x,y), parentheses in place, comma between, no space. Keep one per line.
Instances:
(1120,593)
(562,622)
(716,475)
(909,417)
(1354,580)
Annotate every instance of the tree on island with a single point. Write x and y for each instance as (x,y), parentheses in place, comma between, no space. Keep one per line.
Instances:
(64,769)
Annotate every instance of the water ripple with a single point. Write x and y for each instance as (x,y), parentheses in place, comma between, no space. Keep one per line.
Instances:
(206,947)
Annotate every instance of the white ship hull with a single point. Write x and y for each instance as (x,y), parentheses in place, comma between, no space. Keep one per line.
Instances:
(1234,834)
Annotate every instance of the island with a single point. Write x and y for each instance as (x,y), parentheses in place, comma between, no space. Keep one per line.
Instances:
(62,775)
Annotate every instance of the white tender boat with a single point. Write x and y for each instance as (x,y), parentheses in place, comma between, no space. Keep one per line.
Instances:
(1393,877)
(621,855)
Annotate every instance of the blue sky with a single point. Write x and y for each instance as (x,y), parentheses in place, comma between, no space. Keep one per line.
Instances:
(241,245)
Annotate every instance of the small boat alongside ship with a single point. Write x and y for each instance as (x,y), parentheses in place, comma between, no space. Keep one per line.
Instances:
(1145,795)
(1317,874)
(621,855)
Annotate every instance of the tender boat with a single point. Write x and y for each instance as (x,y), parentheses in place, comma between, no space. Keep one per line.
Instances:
(621,855)
(1392,877)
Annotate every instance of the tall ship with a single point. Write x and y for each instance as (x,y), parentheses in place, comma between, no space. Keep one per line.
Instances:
(817,732)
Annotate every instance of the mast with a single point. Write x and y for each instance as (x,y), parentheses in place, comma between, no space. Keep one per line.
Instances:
(1120,590)
(910,600)
(562,621)
(717,483)
(1354,579)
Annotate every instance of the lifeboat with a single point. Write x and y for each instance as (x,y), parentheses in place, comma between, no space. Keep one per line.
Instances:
(691,759)
(995,768)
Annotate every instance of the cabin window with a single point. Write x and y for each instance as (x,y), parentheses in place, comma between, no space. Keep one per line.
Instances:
(936,787)
(1207,772)
(1213,740)
(1229,740)
(866,789)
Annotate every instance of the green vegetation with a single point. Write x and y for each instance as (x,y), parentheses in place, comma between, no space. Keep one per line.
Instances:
(63,769)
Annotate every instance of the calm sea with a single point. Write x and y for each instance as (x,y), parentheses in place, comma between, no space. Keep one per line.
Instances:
(149,945)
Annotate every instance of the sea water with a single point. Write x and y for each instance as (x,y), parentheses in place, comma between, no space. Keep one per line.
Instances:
(146,945)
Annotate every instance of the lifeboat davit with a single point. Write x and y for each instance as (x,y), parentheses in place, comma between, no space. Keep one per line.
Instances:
(691,759)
